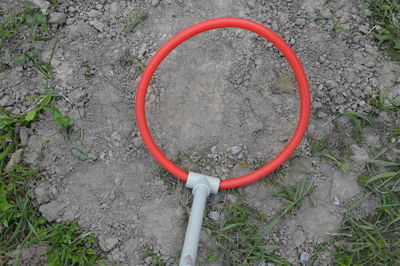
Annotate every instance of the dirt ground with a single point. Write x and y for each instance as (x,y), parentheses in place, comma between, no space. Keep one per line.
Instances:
(222,104)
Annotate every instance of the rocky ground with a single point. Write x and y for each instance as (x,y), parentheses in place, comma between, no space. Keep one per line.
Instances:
(222,104)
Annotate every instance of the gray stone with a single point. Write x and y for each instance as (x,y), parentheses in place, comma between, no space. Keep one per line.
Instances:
(94,13)
(154,2)
(326,13)
(235,149)
(51,211)
(16,158)
(336,201)
(109,243)
(304,257)
(214,216)
(7,101)
(41,193)
(300,21)
(24,136)
(57,18)
(322,114)
(214,149)
(97,25)
(359,154)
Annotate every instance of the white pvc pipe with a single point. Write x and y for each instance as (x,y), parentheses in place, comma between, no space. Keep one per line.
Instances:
(189,251)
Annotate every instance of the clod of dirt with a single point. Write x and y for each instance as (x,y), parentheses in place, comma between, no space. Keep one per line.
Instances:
(42,4)
(15,158)
(57,18)
(24,136)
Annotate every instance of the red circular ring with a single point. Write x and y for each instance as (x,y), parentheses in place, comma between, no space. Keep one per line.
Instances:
(187,34)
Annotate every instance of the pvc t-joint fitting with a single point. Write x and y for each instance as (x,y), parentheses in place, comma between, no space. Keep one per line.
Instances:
(195,179)
(202,186)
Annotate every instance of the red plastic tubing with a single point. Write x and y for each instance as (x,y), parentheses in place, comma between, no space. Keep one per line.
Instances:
(187,34)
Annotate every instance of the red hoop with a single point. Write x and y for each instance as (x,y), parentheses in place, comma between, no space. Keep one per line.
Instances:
(187,34)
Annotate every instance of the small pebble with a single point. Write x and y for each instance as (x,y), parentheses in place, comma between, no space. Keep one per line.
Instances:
(235,149)
(214,149)
(336,201)
(304,257)
(214,216)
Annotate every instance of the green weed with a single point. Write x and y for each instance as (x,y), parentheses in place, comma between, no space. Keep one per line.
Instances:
(374,240)
(133,22)
(382,102)
(69,246)
(318,145)
(23,225)
(336,27)
(385,15)
(37,23)
(155,260)
(241,239)
(62,122)
(343,165)
(294,195)
(9,25)
(20,221)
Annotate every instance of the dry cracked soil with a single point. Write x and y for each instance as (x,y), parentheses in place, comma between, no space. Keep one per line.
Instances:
(222,103)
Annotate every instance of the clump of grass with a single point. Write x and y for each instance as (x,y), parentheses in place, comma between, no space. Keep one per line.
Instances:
(358,122)
(133,22)
(20,221)
(9,26)
(374,240)
(318,145)
(44,103)
(36,22)
(241,238)
(382,102)
(343,165)
(23,226)
(155,259)
(294,195)
(69,245)
(336,27)
(385,15)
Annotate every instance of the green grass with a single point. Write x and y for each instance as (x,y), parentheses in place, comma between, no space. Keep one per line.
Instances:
(385,14)
(341,164)
(32,18)
(374,240)
(155,260)
(383,103)
(241,237)
(21,222)
(133,22)
(318,145)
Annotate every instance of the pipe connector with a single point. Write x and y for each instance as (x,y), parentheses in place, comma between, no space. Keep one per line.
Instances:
(195,179)
(202,186)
